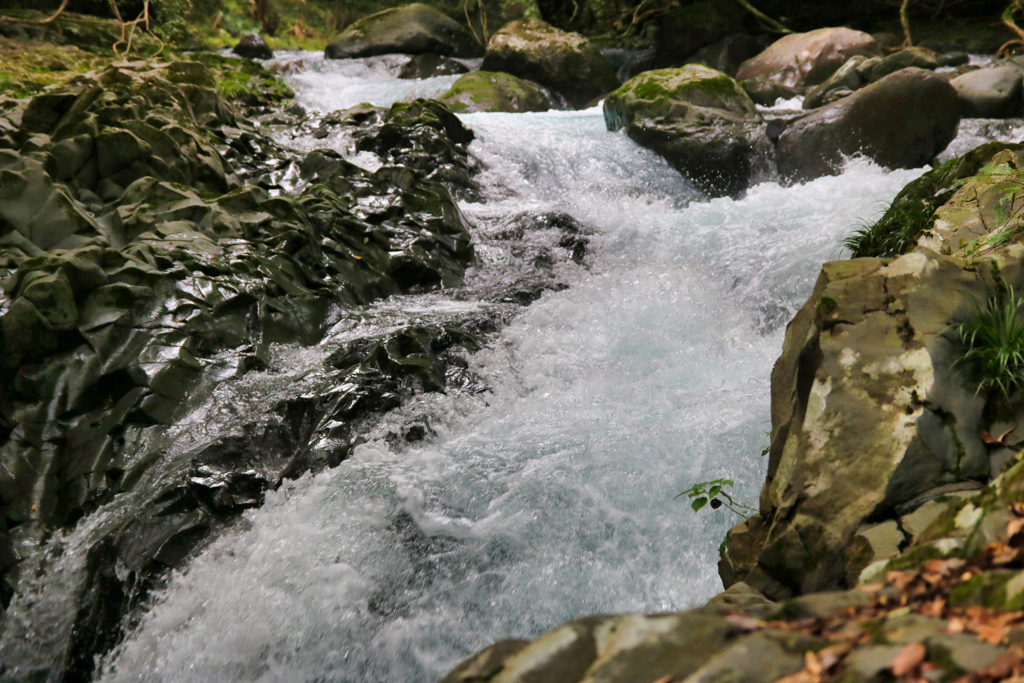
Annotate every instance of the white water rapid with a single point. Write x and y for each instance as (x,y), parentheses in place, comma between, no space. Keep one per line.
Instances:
(551,497)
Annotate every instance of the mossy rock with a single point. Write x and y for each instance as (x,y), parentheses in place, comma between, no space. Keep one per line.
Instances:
(486,91)
(567,63)
(672,94)
(413,29)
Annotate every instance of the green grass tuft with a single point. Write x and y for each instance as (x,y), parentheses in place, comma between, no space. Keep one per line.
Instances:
(993,343)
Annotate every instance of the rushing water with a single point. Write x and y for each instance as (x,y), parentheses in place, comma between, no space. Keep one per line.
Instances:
(550,497)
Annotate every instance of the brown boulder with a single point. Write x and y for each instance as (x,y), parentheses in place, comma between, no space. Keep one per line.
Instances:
(801,60)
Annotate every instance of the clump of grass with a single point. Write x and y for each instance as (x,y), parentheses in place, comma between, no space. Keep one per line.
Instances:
(993,343)
(913,211)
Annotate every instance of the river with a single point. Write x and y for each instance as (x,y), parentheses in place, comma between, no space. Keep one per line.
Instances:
(550,496)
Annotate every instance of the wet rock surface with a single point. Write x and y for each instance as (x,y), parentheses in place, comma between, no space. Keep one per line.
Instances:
(803,60)
(253,46)
(158,253)
(430,65)
(500,92)
(699,119)
(567,63)
(862,123)
(412,29)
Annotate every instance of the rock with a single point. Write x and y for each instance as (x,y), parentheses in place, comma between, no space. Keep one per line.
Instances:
(877,323)
(566,63)
(685,30)
(727,54)
(863,123)
(919,57)
(846,78)
(430,65)
(488,91)
(637,62)
(766,92)
(886,539)
(990,93)
(252,46)
(802,60)
(413,29)
(700,120)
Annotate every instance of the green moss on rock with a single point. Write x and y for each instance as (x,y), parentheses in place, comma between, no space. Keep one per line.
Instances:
(673,94)
(486,91)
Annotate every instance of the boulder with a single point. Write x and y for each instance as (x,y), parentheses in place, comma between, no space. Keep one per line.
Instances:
(430,65)
(846,80)
(868,412)
(495,92)
(727,54)
(685,30)
(919,57)
(902,121)
(567,63)
(413,29)
(802,60)
(253,46)
(990,93)
(699,119)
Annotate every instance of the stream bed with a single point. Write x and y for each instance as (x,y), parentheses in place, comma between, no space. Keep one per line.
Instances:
(550,495)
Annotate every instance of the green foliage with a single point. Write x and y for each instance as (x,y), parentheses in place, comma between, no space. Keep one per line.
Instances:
(912,213)
(714,493)
(992,344)
(171,25)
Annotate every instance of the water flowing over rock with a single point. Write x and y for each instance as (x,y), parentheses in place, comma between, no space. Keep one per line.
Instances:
(413,29)
(430,65)
(141,274)
(699,119)
(802,60)
(566,63)
(491,91)
(924,104)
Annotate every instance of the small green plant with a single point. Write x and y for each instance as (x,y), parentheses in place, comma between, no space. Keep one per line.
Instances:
(992,344)
(714,492)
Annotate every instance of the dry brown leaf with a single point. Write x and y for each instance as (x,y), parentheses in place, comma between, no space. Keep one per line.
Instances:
(1014,527)
(986,437)
(992,633)
(1004,665)
(1018,509)
(909,659)
(932,579)
(956,626)
(813,663)
(665,679)
(831,655)
(934,608)
(744,623)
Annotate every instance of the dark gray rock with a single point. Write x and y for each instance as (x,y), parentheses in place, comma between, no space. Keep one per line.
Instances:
(698,119)
(252,46)
(990,93)
(728,54)
(902,121)
(430,65)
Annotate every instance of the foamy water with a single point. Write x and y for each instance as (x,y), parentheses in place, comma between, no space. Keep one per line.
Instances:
(549,497)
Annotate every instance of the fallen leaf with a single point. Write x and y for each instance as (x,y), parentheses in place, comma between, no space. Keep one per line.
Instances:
(909,659)
(744,623)
(986,437)
(1014,527)
(813,663)
(934,609)
(1018,509)
(993,633)
(956,626)
(830,656)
